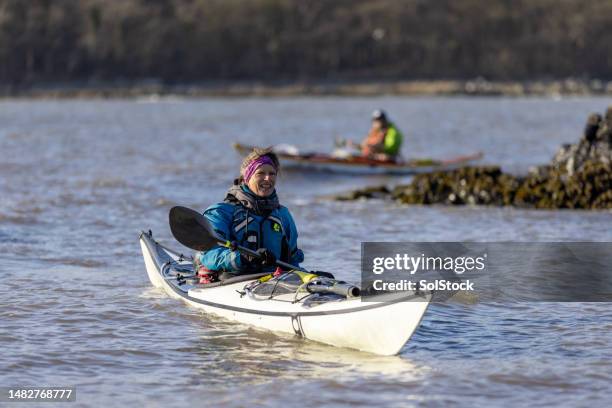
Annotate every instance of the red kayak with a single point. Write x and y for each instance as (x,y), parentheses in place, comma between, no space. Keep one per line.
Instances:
(292,158)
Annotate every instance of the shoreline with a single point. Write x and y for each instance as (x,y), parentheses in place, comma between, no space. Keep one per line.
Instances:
(154,89)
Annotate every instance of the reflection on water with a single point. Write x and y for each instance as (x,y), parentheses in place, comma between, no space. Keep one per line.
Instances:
(80,179)
(257,356)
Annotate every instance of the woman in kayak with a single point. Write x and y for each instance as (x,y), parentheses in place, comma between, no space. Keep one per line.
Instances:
(251,216)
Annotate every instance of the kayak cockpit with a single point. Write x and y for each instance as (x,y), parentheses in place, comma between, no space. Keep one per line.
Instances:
(310,289)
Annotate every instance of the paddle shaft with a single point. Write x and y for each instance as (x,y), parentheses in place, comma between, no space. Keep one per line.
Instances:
(252,253)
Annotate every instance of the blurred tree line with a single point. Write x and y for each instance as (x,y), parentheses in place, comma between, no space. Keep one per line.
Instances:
(200,40)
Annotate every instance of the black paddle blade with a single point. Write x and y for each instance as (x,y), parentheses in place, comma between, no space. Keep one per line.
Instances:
(191,229)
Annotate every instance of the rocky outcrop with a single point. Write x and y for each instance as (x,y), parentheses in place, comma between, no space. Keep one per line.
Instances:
(588,188)
(467,185)
(595,145)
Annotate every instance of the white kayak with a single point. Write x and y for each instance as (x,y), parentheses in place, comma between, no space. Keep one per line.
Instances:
(381,327)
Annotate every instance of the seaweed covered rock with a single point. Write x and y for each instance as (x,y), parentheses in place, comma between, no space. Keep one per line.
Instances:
(468,185)
(588,188)
(365,193)
(585,188)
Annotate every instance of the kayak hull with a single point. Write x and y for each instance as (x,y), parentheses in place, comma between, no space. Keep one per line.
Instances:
(361,165)
(376,327)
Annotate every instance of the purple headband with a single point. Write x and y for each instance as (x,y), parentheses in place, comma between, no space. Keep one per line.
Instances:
(255,164)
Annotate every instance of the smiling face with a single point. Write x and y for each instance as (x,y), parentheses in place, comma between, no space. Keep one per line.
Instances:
(262,182)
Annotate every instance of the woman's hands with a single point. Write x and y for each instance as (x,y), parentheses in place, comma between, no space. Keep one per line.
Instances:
(266,257)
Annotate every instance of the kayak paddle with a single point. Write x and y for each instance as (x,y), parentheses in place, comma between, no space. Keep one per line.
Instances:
(193,230)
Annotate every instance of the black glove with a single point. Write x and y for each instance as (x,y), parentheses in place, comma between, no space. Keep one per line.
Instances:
(266,257)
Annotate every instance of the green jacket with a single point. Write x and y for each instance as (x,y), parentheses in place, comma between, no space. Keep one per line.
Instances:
(393,140)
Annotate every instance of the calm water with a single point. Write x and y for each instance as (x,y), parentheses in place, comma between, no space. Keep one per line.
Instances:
(80,179)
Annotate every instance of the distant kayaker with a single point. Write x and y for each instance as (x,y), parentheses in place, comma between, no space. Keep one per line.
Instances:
(384,140)
(251,216)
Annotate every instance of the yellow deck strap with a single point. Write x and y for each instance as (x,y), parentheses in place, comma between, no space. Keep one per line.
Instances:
(305,276)
(265,278)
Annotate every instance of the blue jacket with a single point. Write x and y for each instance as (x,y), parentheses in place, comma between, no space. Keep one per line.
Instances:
(234,222)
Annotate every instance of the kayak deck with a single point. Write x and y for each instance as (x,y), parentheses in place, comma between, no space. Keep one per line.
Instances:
(381,327)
